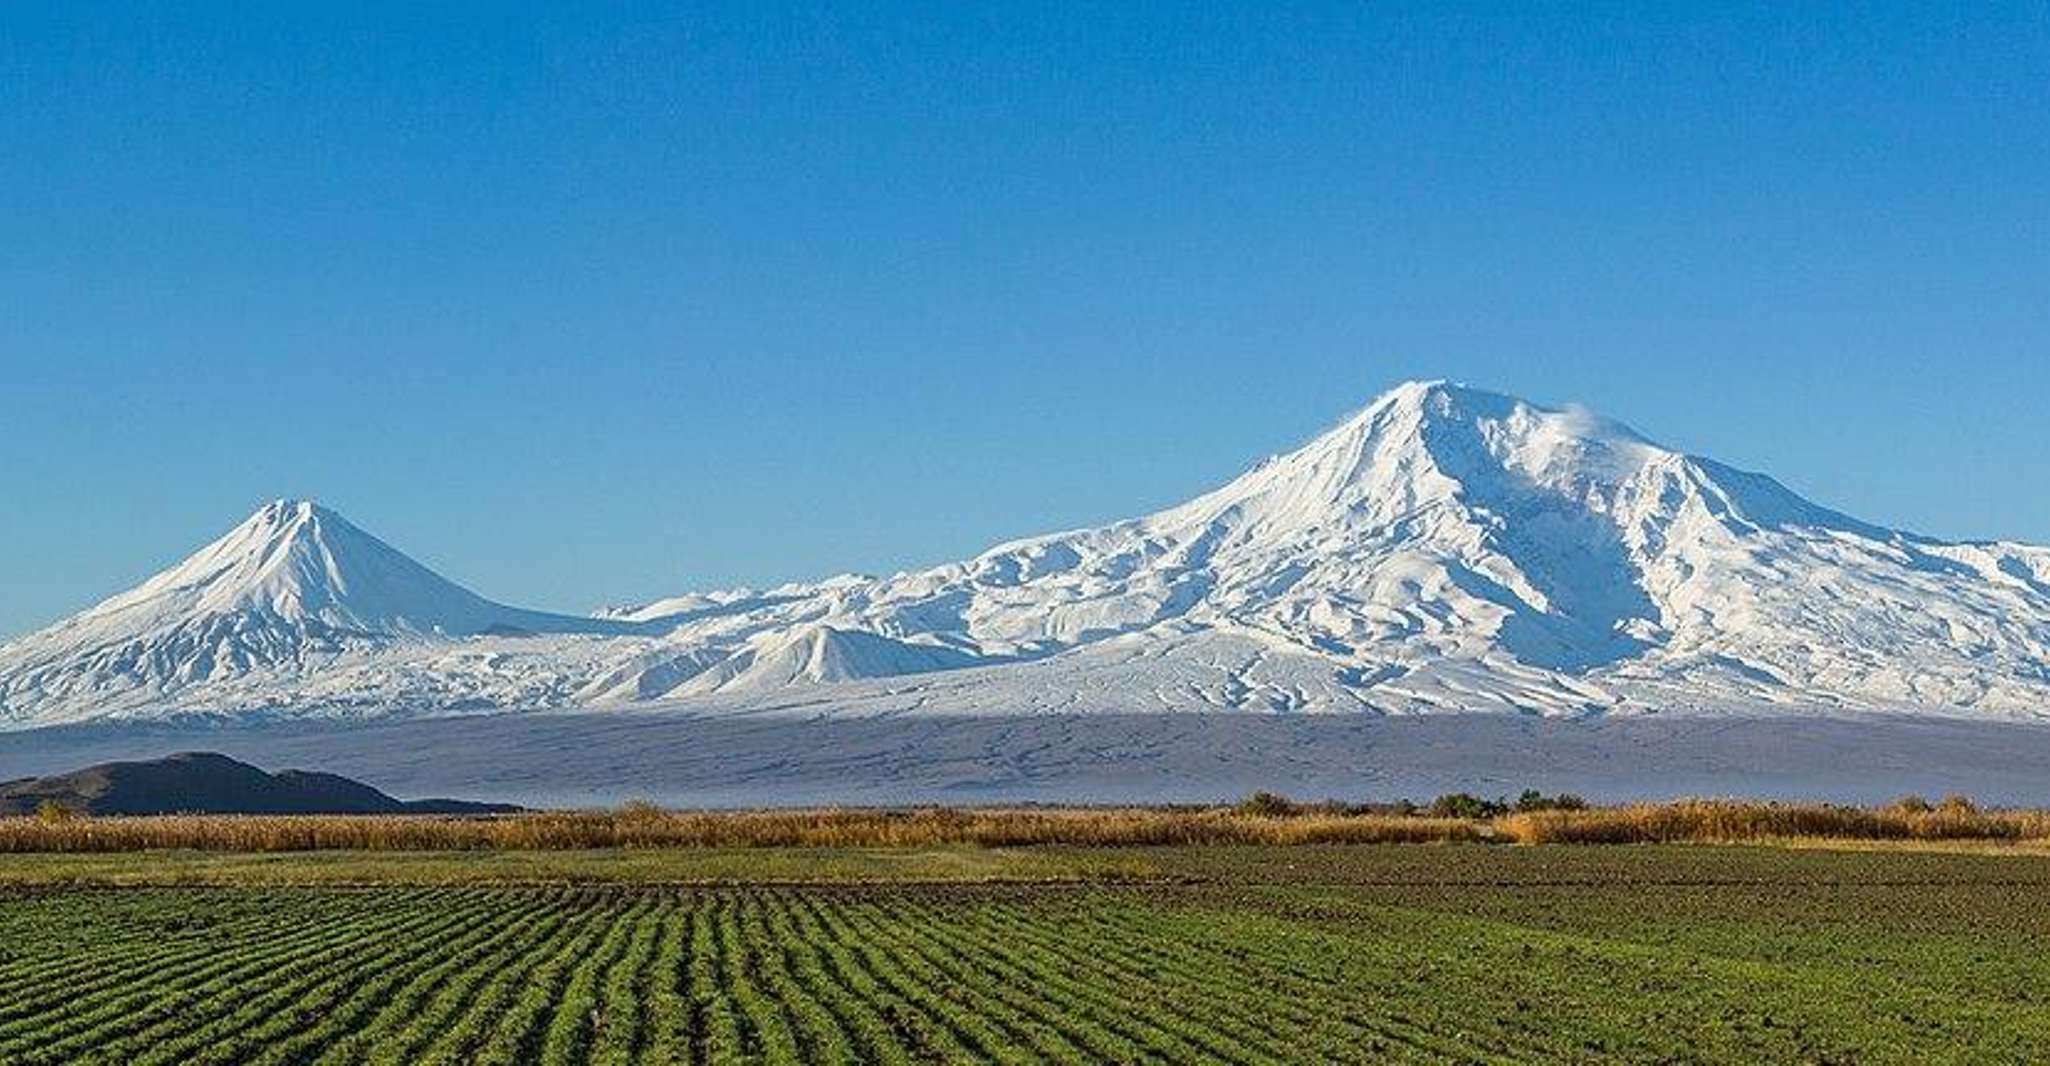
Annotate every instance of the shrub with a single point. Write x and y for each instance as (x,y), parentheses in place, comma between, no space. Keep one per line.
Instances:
(1465,805)
(1533,800)
(1910,804)
(1267,805)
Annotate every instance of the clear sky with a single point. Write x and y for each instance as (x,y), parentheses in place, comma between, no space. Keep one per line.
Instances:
(583,306)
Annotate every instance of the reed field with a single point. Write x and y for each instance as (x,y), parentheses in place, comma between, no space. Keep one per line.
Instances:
(1264,819)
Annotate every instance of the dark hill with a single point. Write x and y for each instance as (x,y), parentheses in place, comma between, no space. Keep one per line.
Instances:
(201,782)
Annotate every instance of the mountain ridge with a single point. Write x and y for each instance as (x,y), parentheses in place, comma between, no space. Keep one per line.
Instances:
(1444,548)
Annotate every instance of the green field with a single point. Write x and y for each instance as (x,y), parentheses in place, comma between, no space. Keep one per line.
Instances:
(1369,954)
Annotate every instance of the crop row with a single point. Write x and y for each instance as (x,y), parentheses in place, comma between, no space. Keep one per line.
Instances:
(896,975)
(563,976)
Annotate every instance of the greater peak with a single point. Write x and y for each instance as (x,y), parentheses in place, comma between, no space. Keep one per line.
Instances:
(1439,402)
(1440,396)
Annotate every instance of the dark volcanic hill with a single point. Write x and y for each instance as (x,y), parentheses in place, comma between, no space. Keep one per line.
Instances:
(201,782)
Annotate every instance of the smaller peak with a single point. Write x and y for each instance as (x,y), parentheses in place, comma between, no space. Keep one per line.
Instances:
(293,521)
(288,511)
(274,517)
(1419,388)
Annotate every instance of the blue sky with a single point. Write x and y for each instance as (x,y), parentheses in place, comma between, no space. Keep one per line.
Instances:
(583,307)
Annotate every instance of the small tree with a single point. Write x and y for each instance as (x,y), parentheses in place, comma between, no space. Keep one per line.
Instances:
(52,812)
(638,812)
(1267,805)
(1533,800)
(1465,805)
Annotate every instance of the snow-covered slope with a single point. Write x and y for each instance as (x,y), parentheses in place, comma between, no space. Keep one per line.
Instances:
(1449,548)
(291,592)
(1444,549)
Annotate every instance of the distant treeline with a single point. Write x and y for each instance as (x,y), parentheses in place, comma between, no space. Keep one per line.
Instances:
(1264,818)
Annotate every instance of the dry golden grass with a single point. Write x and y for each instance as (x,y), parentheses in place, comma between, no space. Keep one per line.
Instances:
(1276,822)
(645,827)
(1726,821)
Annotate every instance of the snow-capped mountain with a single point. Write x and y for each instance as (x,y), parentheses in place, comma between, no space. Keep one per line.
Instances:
(292,591)
(1444,549)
